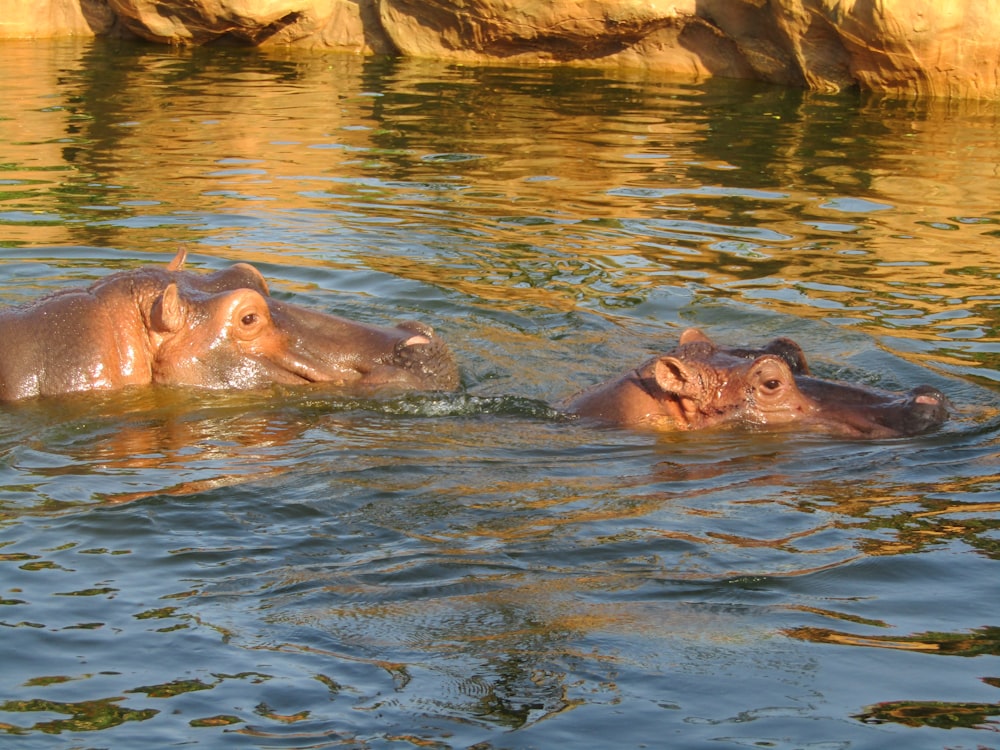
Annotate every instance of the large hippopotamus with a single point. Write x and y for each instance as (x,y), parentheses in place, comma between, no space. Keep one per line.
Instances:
(216,330)
(699,384)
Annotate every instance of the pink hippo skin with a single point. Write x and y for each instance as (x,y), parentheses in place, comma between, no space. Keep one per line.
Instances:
(699,385)
(217,330)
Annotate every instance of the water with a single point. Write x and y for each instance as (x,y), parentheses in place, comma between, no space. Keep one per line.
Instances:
(299,569)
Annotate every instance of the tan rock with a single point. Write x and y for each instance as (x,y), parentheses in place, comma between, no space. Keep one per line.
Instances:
(44,19)
(937,47)
(330,24)
(201,21)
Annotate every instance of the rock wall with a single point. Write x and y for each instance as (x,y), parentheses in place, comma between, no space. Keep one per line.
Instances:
(28,19)
(948,48)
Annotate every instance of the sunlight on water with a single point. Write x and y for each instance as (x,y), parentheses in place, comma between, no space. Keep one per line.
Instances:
(305,568)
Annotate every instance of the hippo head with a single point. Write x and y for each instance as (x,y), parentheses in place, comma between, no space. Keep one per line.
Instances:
(763,388)
(699,384)
(224,330)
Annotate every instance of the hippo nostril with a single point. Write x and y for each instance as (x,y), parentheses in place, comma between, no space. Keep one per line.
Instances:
(417,327)
(929,396)
(423,334)
(414,340)
(415,350)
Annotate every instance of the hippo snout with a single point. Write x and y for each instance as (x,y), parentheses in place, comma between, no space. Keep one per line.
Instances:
(423,358)
(920,410)
(926,408)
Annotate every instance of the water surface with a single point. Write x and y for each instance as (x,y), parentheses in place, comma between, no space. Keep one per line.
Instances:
(301,569)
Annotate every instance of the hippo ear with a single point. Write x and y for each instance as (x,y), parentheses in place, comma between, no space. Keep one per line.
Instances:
(239,276)
(673,376)
(168,311)
(691,335)
(791,352)
(178,262)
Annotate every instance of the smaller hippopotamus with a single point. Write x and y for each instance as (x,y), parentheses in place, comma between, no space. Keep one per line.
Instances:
(699,384)
(217,330)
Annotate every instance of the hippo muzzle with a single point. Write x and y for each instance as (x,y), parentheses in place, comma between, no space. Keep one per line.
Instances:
(420,361)
(854,411)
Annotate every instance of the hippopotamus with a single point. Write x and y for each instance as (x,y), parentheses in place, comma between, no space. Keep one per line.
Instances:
(699,384)
(220,330)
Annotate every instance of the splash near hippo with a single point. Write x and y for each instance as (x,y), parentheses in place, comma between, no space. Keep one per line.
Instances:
(220,330)
(699,385)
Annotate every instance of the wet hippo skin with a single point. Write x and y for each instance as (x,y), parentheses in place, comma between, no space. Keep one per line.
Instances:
(699,385)
(219,330)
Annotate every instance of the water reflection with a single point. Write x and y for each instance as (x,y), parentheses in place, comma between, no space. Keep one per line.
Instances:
(574,188)
(87,716)
(938,714)
(162,441)
(985,641)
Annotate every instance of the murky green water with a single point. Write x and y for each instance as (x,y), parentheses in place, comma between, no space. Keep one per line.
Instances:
(300,571)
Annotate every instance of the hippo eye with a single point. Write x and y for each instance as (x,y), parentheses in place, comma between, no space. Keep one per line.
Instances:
(773,384)
(250,323)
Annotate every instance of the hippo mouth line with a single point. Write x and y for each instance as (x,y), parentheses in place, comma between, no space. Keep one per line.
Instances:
(414,356)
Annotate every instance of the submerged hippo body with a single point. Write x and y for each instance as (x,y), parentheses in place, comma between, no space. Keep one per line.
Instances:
(218,330)
(699,385)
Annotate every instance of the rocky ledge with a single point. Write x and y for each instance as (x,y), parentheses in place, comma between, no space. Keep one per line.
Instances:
(947,48)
